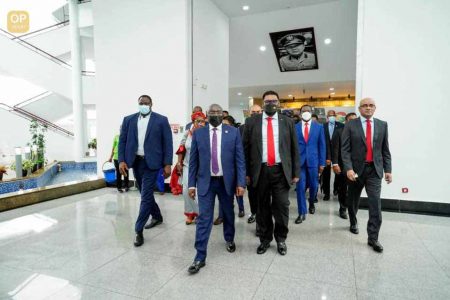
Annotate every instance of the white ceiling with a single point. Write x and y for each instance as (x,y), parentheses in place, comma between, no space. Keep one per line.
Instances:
(320,89)
(233,8)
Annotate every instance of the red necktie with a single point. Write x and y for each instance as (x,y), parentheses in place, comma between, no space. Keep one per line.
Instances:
(306,136)
(369,154)
(270,143)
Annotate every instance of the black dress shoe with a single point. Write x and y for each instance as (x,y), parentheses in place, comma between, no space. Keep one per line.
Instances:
(343,214)
(326,197)
(282,248)
(251,219)
(298,220)
(316,201)
(127,189)
(119,190)
(312,209)
(303,217)
(354,229)
(241,214)
(231,247)
(153,223)
(196,266)
(375,245)
(335,192)
(262,248)
(139,240)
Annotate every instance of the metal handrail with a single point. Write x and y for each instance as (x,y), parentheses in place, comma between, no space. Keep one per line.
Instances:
(30,116)
(43,53)
(32,99)
(65,23)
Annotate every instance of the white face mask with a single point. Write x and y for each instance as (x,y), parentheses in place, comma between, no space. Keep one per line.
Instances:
(332,119)
(306,116)
(144,109)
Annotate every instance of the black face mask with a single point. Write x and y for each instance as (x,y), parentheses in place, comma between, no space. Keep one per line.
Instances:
(270,109)
(215,120)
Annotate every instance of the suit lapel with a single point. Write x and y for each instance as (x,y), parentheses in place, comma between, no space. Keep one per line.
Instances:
(134,126)
(149,126)
(259,121)
(376,128)
(361,130)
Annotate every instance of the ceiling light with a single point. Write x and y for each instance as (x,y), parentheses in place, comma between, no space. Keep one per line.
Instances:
(290,96)
(327,41)
(332,93)
(239,94)
(245,7)
(331,89)
(262,48)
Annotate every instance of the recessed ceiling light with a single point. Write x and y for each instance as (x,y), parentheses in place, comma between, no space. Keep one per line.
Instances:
(250,97)
(327,41)
(239,94)
(331,89)
(290,96)
(332,93)
(245,7)
(262,48)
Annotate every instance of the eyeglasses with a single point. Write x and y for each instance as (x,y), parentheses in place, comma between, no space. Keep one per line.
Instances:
(367,106)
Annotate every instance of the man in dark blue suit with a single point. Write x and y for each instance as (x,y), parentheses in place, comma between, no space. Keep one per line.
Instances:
(312,148)
(145,144)
(216,168)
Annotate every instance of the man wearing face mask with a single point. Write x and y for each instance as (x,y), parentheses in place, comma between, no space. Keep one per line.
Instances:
(145,144)
(311,139)
(252,195)
(365,154)
(272,161)
(216,168)
(331,128)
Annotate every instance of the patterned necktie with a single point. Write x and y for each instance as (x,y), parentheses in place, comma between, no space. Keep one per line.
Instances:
(270,143)
(215,161)
(369,153)
(306,132)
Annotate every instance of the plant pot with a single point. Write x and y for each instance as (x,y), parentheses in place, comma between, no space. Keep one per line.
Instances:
(40,165)
(1,176)
(24,173)
(35,167)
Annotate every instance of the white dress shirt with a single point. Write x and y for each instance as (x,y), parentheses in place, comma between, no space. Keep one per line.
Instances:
(309,128)
(142,130)
(276,137)
(219,148)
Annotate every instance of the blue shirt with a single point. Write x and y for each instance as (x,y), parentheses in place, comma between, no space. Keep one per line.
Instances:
(363,124)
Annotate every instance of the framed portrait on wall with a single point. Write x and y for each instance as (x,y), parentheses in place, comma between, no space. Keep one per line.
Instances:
(295,50)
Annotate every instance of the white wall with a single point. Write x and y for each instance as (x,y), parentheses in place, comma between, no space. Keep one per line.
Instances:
(403,64)
(336,20)
(140,48)
(210,55)
(58,147)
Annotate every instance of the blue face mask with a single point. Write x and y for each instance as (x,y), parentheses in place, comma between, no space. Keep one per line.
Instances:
(144,109)
(332,119)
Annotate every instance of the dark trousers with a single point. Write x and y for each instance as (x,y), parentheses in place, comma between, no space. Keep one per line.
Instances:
(206,216)
(119,177)
(240,202)
(341,186)
(369,180)
(146,180)
(273,200)
(309,177)
(326,178)
(252,198)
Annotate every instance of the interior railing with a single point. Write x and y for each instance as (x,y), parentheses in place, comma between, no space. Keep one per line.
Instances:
(30,116)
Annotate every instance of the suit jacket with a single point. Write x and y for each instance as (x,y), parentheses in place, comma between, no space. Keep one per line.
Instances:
(328,141)
(312,153)
(336,157)
(288,147)
(158,147)
(232,158)
(353,148)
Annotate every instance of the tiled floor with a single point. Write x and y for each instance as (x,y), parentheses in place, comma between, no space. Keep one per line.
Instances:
(80,247)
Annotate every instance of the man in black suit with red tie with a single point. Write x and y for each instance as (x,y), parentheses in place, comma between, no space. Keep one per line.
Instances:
(365,154)
(273,164)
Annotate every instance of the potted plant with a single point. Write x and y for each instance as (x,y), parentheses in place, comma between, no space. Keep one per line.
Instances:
(24,171)
(38,141)
(92,146)
(2,171)
(27,165)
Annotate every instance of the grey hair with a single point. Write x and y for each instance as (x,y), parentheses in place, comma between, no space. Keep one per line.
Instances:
(215,107)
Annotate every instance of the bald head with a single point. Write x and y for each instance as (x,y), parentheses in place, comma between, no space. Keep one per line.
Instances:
(367,107)
(255,109)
